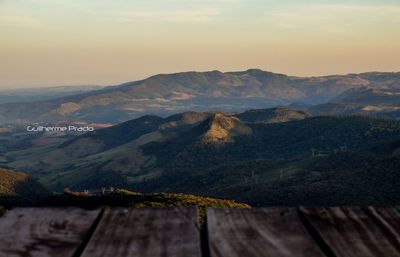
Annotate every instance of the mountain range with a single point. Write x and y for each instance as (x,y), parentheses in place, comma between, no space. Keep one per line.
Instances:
(363,101)
(253,136)
(167,94)
(261,156)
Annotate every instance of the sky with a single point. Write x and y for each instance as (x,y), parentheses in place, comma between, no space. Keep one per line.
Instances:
(107,42)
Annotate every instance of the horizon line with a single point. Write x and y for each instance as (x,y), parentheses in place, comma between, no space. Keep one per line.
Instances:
(188,71)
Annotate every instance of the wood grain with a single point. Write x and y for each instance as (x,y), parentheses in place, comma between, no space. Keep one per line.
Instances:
(29,232)
(145,232)
(352,232)
(272,232)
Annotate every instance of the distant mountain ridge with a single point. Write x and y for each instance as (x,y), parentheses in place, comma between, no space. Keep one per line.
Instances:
(369,96)
(167,94)
(383,102)
(43,93)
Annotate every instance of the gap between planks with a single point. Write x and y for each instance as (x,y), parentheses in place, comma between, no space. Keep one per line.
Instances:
(287,232)
(364,232)
(383,228)
(169,232)
(146,232)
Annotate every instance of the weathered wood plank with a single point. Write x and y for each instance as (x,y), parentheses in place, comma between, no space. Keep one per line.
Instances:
(44,232)
(145,232)
(352,232)
(272,232)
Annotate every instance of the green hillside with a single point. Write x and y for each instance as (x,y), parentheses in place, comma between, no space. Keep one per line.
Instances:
(362,177)
(289,140)
(19,188)
(273,115)
(224,154)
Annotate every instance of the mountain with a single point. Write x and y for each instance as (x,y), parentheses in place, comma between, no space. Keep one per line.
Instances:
(18,188)
(166,94)
(363,101)
(369,96)
(222,129)
(263,157)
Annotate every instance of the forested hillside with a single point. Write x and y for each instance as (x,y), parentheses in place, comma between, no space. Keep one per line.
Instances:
(18,188)
(263,157)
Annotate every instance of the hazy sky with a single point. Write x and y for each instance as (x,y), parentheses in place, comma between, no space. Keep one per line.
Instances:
(67,42)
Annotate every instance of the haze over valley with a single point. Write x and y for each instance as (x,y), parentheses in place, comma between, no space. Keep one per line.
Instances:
(166,94)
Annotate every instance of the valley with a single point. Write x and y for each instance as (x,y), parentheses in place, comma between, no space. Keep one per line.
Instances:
(261,157)
(257,137)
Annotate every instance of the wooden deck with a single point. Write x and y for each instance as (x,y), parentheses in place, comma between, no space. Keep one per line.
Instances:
(176,232)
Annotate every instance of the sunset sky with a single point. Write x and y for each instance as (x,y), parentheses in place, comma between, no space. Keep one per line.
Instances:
(71,42)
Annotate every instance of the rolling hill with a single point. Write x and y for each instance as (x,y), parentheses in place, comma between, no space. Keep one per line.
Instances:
(359,177)
(384,102)
(273,115)
(251,156)
(128,199)
(125,198)
(19,189)
(166,94)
